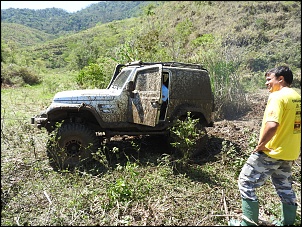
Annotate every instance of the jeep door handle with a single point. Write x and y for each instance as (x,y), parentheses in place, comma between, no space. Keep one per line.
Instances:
(155,104)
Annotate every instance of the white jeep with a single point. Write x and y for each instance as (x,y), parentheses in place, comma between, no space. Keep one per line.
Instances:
(130,105)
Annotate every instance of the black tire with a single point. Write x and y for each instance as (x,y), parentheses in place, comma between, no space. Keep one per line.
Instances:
(71,146)
(202,141)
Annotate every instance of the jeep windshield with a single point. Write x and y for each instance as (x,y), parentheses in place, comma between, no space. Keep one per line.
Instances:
(120,79)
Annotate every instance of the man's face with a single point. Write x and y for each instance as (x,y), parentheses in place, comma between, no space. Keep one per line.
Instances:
(273,83)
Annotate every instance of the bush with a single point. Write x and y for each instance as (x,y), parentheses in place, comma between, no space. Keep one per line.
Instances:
(14,75)
(93,76)
(185,135)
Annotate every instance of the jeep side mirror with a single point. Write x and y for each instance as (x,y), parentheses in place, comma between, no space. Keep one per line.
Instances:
(130,88)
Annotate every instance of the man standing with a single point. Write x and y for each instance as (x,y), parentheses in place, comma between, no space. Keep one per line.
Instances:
(278,146)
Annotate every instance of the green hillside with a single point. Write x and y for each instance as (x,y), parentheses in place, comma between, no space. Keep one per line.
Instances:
(23,36)
(59,21)
(242,37)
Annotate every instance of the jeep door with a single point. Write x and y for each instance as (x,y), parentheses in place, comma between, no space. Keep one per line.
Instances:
(144,107)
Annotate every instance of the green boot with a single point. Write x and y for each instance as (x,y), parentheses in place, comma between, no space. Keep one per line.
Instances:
(288,214)
(250,211)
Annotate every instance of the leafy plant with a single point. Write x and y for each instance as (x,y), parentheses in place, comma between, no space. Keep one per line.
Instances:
(128,188)
(93,76)
(184,135)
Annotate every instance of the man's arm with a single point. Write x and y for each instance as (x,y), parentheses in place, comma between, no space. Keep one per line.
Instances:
(268,133)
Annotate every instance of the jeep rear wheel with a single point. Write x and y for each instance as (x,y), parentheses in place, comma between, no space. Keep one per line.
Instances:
(202,140)
(71,146)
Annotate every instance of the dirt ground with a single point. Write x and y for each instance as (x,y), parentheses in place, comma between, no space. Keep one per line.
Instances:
(239,130)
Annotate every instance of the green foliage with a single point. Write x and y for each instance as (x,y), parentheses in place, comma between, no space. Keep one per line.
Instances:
(253,141)
(230,154)
(146,45)
(184,135)
(4,52)
(253,81)
(184,28)
(126,53)
(148,10)
(161,35)
(100,156)
(128,188)
(94,76)
(205,39)
(229,94)
(56,81)
(23,36)
(63,22)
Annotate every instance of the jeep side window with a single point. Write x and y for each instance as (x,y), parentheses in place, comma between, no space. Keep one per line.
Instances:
(141,82)
(121,79)
(144,80)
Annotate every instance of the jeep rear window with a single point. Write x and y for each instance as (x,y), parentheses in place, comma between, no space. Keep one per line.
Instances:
(121,79)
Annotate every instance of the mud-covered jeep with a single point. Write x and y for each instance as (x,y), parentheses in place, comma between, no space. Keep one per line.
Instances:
(132,104)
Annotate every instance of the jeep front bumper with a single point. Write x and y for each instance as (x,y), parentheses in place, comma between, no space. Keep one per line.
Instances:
(39,121)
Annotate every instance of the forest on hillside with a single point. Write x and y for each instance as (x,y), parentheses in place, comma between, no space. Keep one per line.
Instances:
(58,21)
(241,39)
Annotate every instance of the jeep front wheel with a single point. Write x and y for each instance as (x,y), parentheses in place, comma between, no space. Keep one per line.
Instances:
(71,146)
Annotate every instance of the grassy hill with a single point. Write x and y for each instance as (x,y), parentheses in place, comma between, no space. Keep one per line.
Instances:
(23,36)
(256,35)
(235,41)
(59,21)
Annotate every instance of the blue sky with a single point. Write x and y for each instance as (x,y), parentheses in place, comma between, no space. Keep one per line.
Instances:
(69,6)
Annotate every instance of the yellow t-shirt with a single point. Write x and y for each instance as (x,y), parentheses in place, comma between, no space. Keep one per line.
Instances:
(284,107)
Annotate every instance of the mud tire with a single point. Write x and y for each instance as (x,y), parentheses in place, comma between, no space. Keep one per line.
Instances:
(71,146)
(201,141)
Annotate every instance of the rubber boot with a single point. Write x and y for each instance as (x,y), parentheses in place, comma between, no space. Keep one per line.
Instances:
(288,214)
(250,211)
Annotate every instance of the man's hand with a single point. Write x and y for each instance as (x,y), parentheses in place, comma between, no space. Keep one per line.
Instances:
(268,133)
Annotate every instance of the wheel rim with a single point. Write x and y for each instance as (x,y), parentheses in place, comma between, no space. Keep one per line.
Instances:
(73,147)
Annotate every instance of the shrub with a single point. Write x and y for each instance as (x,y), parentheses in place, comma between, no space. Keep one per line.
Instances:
(14,75)
(185,134)
(95,75)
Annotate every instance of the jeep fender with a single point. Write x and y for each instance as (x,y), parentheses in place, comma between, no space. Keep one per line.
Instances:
(181,113)
(73,112)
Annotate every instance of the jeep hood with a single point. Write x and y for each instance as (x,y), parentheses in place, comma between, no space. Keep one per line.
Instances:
(87,95)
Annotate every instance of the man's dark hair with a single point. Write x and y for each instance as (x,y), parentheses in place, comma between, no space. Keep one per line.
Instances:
(282,71)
